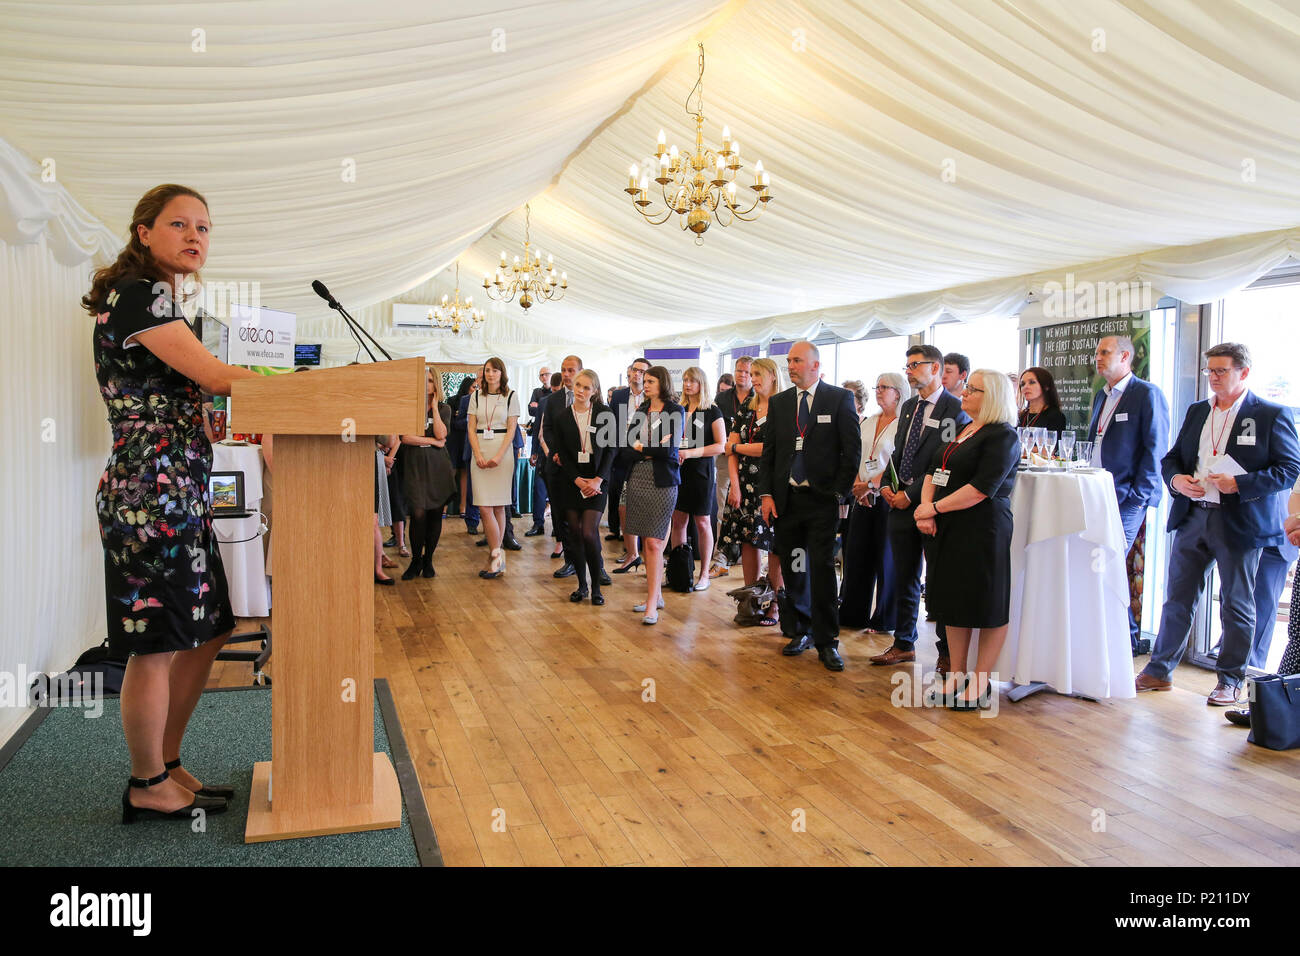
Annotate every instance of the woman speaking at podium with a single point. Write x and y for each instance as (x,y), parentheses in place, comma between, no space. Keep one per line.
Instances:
(165,588)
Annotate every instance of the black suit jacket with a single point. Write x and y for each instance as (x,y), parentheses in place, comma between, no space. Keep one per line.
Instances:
(832,445)
(535,411)
(549,409)
(947,411)
(568,444)
(664,438)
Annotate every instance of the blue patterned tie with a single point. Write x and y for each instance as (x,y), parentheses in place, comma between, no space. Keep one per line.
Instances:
(796,468)
(914,434)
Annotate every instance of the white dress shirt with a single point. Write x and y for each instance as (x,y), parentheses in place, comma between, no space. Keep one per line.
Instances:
(876,459)
(798,397)
(1107,416)
(1218,425)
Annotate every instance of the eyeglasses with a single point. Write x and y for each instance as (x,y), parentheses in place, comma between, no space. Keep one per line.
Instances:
(915,365)
(885,387)
(1218,372)
(972,390)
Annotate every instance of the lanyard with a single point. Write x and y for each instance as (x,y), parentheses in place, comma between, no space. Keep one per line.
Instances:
(1101,425)
(1037,415)
(952,446)
(797,405)
(582,430)
(1214,442)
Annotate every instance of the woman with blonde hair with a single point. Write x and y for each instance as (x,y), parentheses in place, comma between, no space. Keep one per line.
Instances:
(744,533)
(428,478)
(966,506)
(493,417)
(703,437)
(585,439)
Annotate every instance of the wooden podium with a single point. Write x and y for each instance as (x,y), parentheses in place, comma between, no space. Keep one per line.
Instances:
(328,777)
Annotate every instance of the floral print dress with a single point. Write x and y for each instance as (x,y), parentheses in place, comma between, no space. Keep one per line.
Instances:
(164,584)
(745,524)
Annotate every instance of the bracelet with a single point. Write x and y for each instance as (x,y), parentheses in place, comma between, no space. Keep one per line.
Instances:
(935,506)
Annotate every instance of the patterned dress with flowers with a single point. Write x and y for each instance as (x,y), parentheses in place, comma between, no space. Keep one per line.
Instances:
(745,524)
(163,579)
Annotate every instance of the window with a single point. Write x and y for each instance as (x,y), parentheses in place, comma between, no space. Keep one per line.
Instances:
(866,359)
(988,343)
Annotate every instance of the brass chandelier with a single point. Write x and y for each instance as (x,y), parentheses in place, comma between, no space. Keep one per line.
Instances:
(701,187)
(530,280)
(457,315)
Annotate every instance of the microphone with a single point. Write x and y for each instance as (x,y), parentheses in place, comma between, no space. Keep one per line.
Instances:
(319,288)
(355,327)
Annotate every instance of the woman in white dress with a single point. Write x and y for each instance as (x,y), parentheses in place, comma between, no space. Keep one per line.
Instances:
(493,418)
(867,590)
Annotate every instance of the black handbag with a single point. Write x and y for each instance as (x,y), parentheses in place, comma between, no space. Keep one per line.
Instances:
(681,568)
(1275,712)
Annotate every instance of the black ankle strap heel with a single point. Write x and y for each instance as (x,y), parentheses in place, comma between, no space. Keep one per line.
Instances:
(225,793)
(130,812)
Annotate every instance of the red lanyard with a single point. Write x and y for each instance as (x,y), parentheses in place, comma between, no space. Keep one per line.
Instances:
(1101,426)
(1214,442)
(1030,422)
(798,402)
(952,447)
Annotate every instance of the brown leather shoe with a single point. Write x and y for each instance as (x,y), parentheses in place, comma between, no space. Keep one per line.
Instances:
(1145,681)
(894,655)
(1223,695)
(942,665)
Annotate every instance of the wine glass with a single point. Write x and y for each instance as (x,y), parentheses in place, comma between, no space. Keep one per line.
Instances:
(1049,442)
(1067,446)
(1037,442)
(1023,435)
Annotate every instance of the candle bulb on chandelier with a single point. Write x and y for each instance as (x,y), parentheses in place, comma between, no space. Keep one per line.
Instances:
(631,176)
(726,139)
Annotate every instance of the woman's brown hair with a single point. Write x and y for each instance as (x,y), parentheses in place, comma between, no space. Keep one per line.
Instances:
(665,380)
(496,363)
(135,259)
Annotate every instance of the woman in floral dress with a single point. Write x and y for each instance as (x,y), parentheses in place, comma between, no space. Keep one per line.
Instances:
(744,533)
(168,609)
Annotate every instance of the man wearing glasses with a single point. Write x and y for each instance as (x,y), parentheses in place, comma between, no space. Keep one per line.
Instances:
(926,421)
(1234,458)
(1129,430)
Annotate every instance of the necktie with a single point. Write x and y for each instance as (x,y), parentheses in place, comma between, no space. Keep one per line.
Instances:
(568,398)
(915,430)
(797,471)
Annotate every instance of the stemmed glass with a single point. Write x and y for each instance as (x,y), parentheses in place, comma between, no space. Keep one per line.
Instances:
(1067,446)
(1038,439)
(1049,442)
(1023,435)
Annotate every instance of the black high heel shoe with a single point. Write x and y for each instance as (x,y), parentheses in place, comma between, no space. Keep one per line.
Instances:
(225,793)
(636,563)
(426,569)
(130,812)
(980,703)
(413,571)
(578,596)
(598,600)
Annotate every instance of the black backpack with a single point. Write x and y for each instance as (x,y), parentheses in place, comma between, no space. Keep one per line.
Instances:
(681,568)
(48,691)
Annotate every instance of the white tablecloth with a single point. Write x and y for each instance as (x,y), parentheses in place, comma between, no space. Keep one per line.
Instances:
(250,591)
(1069,587)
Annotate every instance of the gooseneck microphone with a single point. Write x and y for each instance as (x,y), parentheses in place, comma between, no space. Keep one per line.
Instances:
(355,327)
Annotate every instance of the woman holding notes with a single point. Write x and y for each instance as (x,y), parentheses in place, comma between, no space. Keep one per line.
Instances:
(168,609)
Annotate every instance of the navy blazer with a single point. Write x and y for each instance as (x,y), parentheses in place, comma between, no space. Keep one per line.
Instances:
(535,411)
(665,438)
(832,444)
(1137,435)
(1254,515)
(947,410)
(460,422)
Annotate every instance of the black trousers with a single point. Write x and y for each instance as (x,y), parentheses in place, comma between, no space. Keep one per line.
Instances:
(559,527)
(805,543)
(909,547)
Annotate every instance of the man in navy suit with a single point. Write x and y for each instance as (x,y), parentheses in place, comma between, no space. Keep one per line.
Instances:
(811,453)
(555,403)
(539,482)
(1235,459)
(1269,582)
(1129,430)
(927,420)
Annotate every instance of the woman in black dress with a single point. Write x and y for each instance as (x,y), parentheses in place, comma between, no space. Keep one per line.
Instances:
(168,609)
(428,479)
(586,437)
(703,438)
(966,506)
(458,449)
(1042,407)
(744,533)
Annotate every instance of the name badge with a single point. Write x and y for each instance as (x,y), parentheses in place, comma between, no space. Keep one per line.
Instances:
(932,423)
(761,420)
(798,444)
(1245,439)
(823,419)
(1121,417)
(940,477)
(584,457)
(486,432)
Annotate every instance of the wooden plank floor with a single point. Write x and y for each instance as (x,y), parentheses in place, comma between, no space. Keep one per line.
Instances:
(536,743)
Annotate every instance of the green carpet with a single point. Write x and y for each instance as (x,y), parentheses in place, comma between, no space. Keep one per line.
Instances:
(60,796)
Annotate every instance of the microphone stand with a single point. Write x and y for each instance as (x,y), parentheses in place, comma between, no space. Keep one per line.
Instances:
(356,327)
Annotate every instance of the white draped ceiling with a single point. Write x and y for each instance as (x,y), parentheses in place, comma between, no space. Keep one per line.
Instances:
(927,156)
